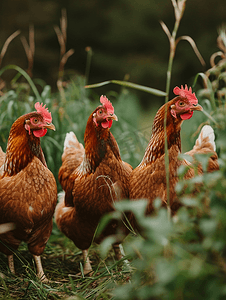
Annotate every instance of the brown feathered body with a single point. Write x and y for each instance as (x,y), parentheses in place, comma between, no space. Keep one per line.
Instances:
(28,192)
(93,178)
(148,179)
(2,157)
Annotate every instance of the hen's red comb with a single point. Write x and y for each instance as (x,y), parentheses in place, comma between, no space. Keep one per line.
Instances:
(107,104)
(186,93)
(43,111)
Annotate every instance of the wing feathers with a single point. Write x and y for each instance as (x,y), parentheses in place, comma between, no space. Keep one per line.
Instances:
(71,158)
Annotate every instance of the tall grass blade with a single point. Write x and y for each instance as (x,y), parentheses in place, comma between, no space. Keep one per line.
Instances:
(209,116)
(96,85)
(208,85)
(194,47)
(6,44)
(140,87)
(26,76)
(130,85)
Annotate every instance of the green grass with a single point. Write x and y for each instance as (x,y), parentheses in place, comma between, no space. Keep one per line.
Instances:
(62,264)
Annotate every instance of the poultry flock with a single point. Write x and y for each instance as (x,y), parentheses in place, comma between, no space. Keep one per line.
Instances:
(92,177)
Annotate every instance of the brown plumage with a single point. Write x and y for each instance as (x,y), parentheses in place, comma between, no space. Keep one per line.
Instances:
(2,159)
(28,192)
(148,180)
(91,177)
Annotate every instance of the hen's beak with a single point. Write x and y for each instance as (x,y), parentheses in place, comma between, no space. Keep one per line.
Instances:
(113,117)
(197,107)
(49,126)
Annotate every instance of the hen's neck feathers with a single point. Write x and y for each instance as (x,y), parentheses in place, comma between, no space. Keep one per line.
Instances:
(98,142)
(156,146)
(21,148)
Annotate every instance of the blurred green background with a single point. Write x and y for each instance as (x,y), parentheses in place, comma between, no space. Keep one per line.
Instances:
(125,37)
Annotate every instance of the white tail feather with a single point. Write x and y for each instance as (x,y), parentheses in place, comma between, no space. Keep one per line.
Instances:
(71,141)
(61,196)
(7,227)
(207,131)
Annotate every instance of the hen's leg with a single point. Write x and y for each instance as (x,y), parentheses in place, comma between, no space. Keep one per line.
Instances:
(87,265)
(40,272)
(118,252)
(11,263)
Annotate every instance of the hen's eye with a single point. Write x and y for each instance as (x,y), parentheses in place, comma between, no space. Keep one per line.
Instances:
(35,121)
(100,112)
(181,103)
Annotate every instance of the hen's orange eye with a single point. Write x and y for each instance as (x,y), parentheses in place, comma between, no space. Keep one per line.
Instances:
(100,112)
(35,121)
(181,103)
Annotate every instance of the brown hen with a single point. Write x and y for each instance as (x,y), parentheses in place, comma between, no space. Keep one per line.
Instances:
(28,192)
(148,179)
(91,177)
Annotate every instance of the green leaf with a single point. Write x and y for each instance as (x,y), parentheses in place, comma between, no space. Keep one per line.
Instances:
(203,159)
(138,207)
(106,245)
(189,201)
(166,271)
(106,219)
(208,227)
(129,85)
